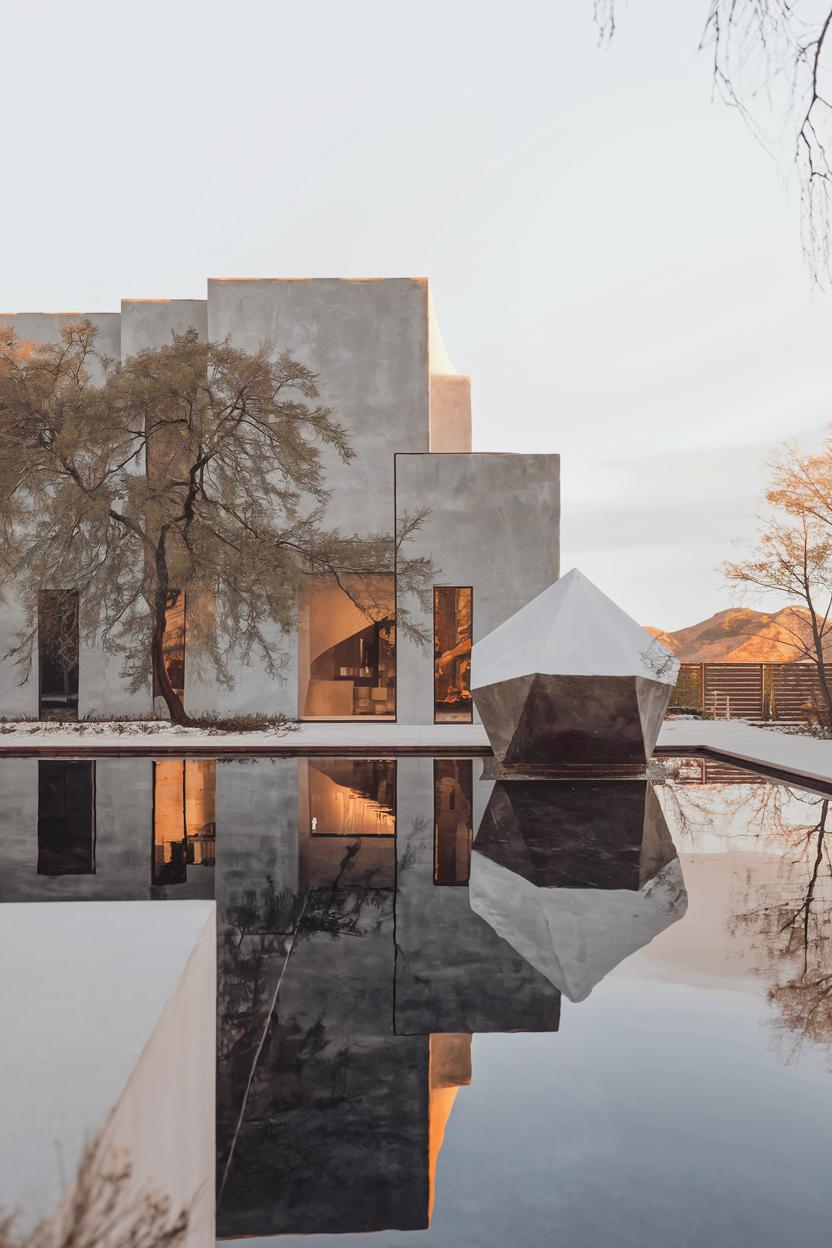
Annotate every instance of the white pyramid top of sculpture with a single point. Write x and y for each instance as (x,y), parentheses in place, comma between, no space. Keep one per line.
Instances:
(570,629)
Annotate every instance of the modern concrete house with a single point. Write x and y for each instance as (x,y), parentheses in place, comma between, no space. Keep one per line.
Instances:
(491,528)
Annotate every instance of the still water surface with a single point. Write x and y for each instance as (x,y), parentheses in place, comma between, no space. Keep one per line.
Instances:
(458,1013)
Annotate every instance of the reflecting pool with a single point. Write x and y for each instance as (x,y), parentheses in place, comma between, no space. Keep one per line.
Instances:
(459,1012)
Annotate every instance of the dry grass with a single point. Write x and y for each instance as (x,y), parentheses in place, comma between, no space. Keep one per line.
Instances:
(104,1210)
(211,722)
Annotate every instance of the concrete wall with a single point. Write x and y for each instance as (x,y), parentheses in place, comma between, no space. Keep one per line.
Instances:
(384,371)
(368,343)
(99,671)
(257,823)
(17,700)
(494,524)
(150,323)
(165,1119)
(46,327)
(108,1024)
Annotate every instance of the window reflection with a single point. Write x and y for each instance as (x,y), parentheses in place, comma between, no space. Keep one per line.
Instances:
(184,817)
(348,651)
(452,636)
(66,818)
(352,797)
(347,822)
(453,827)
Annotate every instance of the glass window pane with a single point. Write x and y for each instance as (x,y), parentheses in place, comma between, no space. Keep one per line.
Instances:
(452,637)
(350,659)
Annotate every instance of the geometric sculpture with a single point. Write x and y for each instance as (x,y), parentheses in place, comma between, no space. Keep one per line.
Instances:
(571,681)
(576,876)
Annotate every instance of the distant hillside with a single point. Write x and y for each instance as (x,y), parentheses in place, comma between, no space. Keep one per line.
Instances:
(742,636)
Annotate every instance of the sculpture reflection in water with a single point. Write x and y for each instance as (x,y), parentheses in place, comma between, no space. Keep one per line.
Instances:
(576,875)
(353,978)
(348,1000)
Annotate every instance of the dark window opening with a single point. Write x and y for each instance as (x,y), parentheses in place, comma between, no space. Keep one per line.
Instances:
(58,654)
(66,818)
(453,819)
(452,638)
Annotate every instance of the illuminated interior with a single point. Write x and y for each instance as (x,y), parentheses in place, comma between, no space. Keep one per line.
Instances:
(184,817)
(352,797)
(450,1069)
(346,822)
(66,818)
(58,650)
(452,637)
(453,824)
(348,650)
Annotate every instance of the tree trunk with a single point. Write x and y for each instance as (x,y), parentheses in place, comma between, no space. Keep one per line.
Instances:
(173,701)
(817,640)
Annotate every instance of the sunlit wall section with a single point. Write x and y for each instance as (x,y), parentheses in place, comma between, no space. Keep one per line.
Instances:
(347,644)
(450,1069)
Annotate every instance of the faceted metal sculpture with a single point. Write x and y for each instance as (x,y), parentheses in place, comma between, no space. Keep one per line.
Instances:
(575,875)
(570,681)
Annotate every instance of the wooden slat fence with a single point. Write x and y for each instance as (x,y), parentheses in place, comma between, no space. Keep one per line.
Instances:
(763,691)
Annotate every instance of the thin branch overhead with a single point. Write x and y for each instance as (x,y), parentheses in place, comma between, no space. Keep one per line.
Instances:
(770,61)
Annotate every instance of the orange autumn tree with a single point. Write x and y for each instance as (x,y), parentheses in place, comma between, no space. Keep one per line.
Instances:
(793,555)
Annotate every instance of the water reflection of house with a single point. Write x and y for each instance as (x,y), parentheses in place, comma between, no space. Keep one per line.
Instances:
(490,522)
(383,975)
(107,829)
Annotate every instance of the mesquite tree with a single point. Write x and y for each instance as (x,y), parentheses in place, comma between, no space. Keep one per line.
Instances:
(193,468)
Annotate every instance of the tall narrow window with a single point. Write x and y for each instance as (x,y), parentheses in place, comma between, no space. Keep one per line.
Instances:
(452,636)
(173,644)
(58,650)
(184,817)
(66,818)
(348,650)
(453,822)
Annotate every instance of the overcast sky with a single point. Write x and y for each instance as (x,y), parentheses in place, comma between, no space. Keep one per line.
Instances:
(614,260)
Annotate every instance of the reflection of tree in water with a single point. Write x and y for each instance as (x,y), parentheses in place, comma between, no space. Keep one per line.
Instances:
(788,917)
(792,916)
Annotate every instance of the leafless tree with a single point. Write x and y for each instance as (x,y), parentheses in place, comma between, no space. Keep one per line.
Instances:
(771,63)
(792,919)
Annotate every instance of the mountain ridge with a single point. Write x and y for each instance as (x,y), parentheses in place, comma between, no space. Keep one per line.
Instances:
(741,635)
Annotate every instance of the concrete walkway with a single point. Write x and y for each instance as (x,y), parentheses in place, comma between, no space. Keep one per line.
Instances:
(158,739)
(778,754)
(781,755)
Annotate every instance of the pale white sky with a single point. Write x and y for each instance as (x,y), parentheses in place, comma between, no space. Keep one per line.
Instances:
(614,259)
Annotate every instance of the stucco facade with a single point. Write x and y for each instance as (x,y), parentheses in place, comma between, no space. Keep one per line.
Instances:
(491,523)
